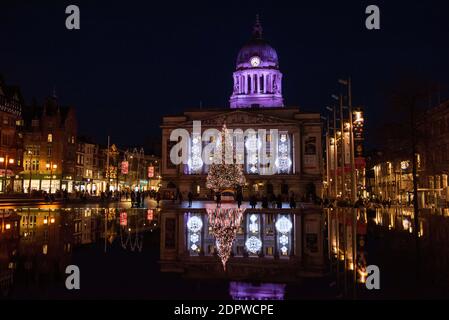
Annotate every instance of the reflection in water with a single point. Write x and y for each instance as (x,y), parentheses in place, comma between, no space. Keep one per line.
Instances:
(224,224)
(36,245)
(384,237)
(266,235)
(264,291)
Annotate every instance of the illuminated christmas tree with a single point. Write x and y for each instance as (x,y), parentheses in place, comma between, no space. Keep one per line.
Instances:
(224,172)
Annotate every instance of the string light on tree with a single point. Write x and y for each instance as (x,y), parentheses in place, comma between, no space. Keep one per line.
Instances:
(224,172)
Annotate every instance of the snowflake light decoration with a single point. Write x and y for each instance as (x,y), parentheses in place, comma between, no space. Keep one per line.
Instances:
(194,224)
(283,240)
(253,245)
(284,225)
(194,238)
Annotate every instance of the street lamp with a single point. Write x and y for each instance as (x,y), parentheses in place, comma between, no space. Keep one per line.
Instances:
(30,154)
(6,160)
(51,166)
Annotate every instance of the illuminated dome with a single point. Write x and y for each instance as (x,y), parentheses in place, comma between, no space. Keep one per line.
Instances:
(257,47)
(257,78)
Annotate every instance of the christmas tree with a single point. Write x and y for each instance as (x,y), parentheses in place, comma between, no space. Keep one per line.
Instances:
(224,172)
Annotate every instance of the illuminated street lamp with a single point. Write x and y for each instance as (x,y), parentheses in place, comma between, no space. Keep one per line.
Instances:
(51,166)
(6,160)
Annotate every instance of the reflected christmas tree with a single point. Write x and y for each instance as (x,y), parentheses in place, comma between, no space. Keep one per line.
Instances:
(224,224)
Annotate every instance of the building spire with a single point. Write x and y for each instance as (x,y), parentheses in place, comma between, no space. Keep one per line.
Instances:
(257,29)
(54,96)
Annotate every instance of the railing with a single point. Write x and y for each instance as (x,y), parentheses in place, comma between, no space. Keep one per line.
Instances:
(9,106)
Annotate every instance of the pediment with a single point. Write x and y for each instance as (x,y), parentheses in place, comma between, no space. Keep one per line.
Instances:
(241,117)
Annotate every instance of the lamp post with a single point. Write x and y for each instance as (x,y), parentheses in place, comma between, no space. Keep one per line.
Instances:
(30,153)
(50,166)
(6,160)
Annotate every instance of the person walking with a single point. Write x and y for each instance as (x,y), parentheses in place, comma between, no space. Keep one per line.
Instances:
(279,201)
(292,201)
(190,197)
(218,199)
(253,201)
(158,198)
(265,202)
(239,199)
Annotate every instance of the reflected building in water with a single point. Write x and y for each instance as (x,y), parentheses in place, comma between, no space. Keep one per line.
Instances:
(36,245)
(280,245)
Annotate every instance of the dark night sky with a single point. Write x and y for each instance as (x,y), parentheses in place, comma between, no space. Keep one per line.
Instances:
(134,61)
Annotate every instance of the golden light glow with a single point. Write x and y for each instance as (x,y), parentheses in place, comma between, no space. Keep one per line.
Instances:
(2,159)
(45,221)
(358,116)
(362,276)
(8,226)
(52,220)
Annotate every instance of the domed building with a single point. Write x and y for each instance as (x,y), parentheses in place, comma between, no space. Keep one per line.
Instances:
(256,103)
(257,79)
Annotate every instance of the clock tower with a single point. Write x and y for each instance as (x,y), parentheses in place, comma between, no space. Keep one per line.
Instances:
(257,79)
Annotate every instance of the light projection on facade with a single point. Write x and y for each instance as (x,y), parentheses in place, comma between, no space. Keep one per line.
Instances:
(283,161)
(253,242)
(195,161)
(263,235)
(252,151)
(284,227)
(194,228)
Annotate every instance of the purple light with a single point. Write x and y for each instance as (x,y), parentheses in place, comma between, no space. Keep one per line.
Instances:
(264,291)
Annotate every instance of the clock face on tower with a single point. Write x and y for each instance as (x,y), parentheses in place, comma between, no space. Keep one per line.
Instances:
(255,61)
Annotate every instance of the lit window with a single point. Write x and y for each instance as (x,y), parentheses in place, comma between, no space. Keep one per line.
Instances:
(50,138)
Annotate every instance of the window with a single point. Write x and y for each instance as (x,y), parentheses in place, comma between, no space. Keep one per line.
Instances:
(35,165)
(35,123)
(49,137)
(49,151)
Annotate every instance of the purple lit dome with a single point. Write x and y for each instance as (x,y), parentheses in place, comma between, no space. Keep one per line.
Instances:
(259,47)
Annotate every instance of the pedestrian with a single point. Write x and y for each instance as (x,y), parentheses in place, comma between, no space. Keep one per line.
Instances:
(158,198)
(253,201)
(218,199)
(265,202)
(190,197)
(279,201)
(292,202)
(239,198)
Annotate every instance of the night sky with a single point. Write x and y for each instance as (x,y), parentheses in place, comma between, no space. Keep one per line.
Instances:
(134,61)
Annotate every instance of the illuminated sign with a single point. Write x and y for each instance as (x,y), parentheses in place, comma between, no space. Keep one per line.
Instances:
(123,219)
(150,172)
(150,214)
(125,166)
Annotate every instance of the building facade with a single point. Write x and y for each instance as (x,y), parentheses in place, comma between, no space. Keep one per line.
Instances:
(49,155)
(392,170)
(256,103)
(10,137)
